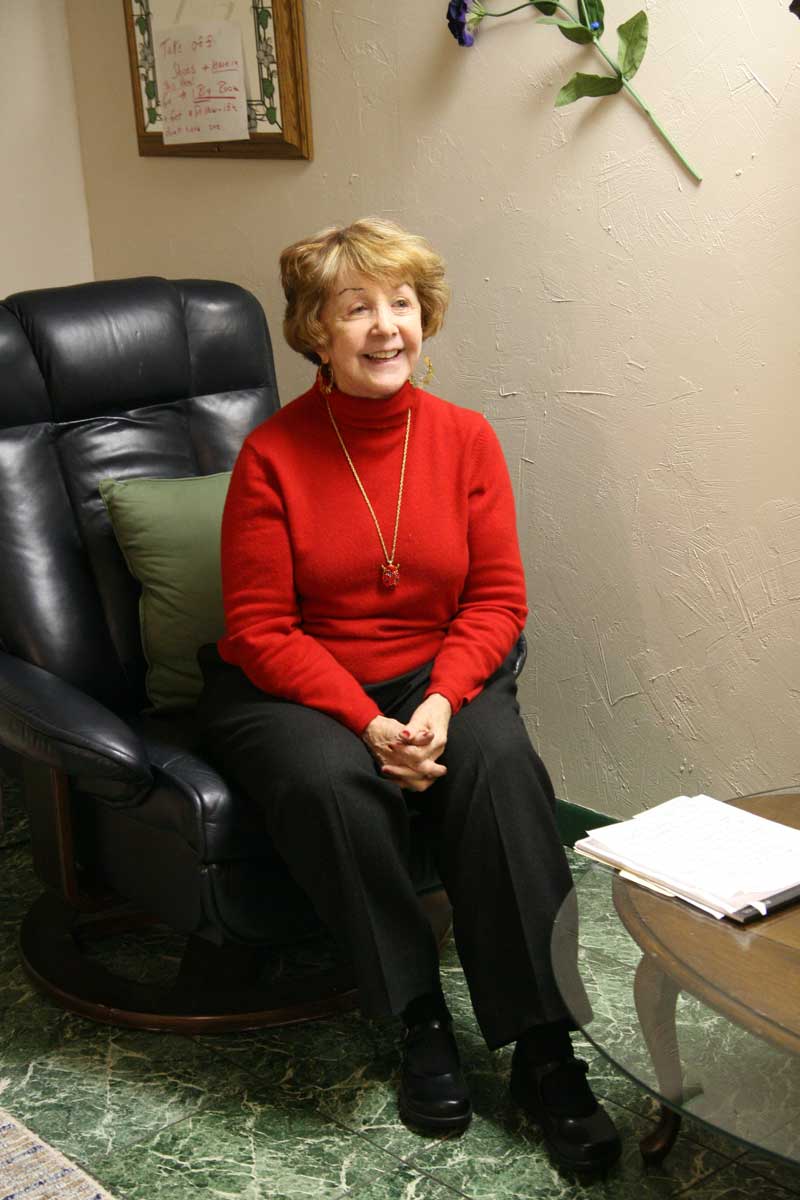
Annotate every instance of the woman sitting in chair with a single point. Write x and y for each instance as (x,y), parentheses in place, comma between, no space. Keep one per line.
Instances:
(373,592)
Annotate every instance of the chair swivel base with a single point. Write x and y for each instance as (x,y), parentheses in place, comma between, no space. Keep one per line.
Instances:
(195,1003)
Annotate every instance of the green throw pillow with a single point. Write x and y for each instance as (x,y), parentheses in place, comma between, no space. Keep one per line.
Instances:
(169,533)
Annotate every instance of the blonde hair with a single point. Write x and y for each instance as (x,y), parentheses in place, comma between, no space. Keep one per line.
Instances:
(374,247)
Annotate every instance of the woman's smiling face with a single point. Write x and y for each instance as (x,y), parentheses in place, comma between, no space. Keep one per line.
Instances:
(374,334)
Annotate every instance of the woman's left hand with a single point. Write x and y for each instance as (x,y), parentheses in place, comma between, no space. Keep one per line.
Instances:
(422,741)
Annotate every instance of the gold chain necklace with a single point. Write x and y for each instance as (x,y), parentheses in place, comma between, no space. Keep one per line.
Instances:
(390,570)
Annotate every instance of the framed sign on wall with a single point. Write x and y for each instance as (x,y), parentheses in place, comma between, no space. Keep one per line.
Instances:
(275,75)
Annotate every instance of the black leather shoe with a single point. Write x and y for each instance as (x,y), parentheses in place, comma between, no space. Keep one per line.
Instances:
(578,1131)
(433,1096)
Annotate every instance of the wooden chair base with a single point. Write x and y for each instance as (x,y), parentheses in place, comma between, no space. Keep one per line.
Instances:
(51,945)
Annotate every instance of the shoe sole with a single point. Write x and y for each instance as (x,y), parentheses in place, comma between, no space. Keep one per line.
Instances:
(425,1123)
(594,1166)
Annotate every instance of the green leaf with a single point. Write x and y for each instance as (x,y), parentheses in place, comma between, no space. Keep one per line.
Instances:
(141,25)
(571,31)
(272,115)
(263,17)
(150,90)
(268,88)
(588,85)
(632,44)
(152,116)
(546,8)
(592,10)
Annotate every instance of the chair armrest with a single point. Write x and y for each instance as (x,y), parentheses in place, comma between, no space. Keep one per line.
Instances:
(518,655)
(46,719)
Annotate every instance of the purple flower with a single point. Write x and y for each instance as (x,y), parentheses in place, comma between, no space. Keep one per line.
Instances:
(596,24)
(457,13)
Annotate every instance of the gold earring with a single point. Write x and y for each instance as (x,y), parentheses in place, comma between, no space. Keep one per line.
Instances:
(426,378)
(325,380)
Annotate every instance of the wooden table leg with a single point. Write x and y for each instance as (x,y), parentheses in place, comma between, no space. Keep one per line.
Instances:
(655,1146)
(656,997)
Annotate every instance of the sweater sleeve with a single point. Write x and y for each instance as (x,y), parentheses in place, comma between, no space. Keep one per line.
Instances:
(264,635)
(492,609)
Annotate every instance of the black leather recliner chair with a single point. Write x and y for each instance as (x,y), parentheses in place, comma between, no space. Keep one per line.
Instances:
(129,823)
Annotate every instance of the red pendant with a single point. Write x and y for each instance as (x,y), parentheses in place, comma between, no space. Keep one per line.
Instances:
(390,574)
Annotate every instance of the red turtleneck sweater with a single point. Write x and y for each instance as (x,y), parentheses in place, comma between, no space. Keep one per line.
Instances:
(306,614)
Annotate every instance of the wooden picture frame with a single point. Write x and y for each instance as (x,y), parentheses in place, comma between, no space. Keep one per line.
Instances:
(273,33)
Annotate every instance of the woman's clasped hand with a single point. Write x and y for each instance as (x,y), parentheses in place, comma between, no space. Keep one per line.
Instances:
(409,753)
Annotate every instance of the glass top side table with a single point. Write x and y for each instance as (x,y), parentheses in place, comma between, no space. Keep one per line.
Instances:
(702,1013)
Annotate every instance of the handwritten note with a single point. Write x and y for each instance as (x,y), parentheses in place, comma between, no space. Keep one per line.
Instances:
(201,87)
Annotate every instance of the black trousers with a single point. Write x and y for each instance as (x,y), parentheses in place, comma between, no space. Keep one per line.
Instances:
(343,831)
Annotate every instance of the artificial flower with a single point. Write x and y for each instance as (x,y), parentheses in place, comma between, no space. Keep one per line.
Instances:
(463,18)
(585,27)
(457,14)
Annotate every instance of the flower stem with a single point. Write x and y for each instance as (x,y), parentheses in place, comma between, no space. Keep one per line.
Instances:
(647,111)
(527,4)
(615,67)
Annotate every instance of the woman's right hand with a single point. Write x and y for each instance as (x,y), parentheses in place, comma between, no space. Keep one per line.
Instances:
(407,756)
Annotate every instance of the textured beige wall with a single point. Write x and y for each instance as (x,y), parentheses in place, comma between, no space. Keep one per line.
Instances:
(631,335)
(43,217)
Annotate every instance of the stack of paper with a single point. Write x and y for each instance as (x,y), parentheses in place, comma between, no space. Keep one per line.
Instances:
(719,858)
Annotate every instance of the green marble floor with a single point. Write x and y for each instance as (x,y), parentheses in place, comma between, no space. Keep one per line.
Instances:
(305,1112)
